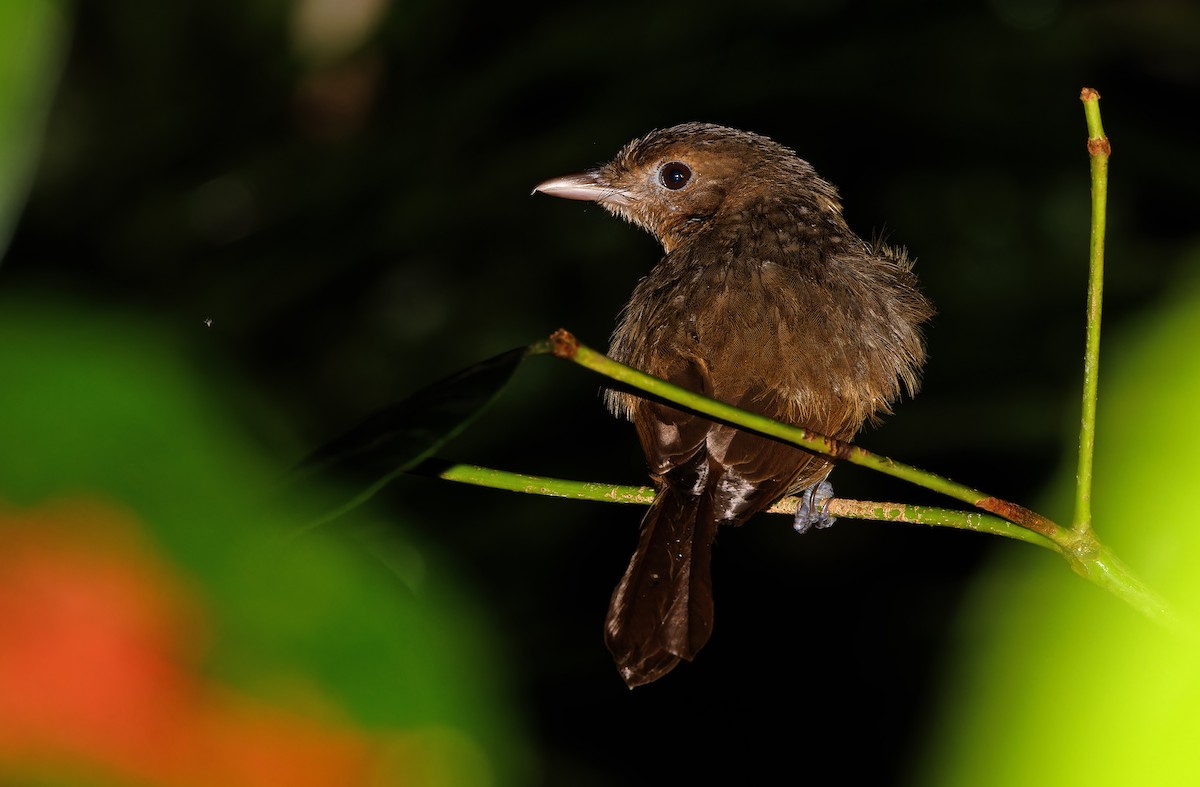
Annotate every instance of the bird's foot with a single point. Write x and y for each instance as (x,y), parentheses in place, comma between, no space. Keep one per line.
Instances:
(810,511)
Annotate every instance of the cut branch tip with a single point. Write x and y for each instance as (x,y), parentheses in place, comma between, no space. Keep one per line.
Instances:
(564,344)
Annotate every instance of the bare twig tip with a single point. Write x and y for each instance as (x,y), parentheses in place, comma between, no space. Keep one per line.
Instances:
(1089,94)
(564,344)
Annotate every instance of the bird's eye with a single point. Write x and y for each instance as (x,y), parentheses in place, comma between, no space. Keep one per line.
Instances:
(675,175)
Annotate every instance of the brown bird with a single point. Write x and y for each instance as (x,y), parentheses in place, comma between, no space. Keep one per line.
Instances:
(765,300)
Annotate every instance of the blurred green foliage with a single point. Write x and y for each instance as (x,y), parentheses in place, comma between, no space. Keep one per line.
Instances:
(1051,681)
(97,408)
(364,624)
(32,38)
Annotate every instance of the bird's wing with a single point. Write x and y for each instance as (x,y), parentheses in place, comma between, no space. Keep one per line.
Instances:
(744,472)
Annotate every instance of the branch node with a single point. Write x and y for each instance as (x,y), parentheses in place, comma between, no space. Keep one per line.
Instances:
(1099,147)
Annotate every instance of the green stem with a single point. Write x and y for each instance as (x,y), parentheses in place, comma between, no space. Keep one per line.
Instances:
(1102,567)
(644,495)
(535,485)
(1098,152)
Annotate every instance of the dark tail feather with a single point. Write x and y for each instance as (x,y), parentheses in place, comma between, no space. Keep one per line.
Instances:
(662,610)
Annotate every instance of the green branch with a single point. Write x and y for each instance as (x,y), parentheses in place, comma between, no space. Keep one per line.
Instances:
(1098,152)
(644,495)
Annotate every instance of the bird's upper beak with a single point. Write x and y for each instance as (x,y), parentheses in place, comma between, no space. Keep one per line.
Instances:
(589,186)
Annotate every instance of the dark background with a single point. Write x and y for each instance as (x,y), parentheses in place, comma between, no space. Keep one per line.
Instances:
(355,221)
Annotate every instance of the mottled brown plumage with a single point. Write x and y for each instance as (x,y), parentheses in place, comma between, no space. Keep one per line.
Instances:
(765,300)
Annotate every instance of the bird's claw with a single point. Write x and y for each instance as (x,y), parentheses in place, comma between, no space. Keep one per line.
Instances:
(810,510)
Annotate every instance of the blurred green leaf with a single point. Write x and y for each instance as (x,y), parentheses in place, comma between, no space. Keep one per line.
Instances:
(363,622)
(32,38)
(1054,681)
(397,438)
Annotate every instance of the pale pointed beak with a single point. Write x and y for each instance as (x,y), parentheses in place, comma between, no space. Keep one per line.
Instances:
(588,186)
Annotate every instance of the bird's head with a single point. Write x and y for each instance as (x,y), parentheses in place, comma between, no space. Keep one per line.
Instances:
(676,181)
